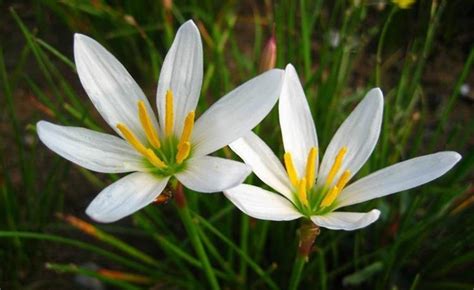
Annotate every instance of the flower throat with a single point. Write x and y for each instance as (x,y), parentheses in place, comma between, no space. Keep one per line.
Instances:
(164,155)
(312,199)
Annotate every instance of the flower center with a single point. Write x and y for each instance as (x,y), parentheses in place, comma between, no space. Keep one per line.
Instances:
(165,155)
(312,199)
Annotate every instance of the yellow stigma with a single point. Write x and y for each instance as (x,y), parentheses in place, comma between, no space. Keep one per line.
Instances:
(183,152)
(132,140)
(169,114)
(311,167)
(302,192)
(187,129)
(150,131)
(336,165)
(290,169)
(330,197)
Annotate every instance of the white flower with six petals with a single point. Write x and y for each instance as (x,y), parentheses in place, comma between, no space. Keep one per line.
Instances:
(307,189)
(156,151)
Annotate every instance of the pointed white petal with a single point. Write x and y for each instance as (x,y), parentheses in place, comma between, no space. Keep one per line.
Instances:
(110,87)
(262,204)
(347,221)
(182,74)
(93,150)
(398,177)
(237,112)
(212,174)
(359,133)
(263,162)
(125,196)
(296,122)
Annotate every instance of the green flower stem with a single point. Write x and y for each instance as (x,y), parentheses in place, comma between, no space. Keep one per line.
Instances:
(193,234)
(307,235)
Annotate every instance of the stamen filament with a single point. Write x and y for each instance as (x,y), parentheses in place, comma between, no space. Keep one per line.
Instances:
(302,193)
(336,165)
(147,152)
(330,197)
(169,114)
(187,129)
(150,131)
(183,152)
(311,167)
(290,169)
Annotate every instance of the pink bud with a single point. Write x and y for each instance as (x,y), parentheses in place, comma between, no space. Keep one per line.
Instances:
(269,54)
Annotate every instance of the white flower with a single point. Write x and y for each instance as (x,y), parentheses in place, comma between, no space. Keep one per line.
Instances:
(157,150)
(307,189)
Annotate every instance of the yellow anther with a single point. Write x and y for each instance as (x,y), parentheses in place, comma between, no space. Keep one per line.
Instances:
(311,167)
(183,152)
(155,160)
(302,194)
(336,165)
(343,179)
(132,139)
(169,114)
(187,129)
(147,152)
(150,130)
(290,169)
(330,197)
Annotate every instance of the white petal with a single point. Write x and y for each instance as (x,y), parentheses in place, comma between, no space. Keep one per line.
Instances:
(398,177)
(347,221)
(262,204)
(263,162)
(110,87)
(212,174)
(125,196)
(93,150)
(237,112)
(359,133)
(182,74)
(296,122)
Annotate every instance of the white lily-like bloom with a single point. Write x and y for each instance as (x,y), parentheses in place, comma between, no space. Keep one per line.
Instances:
(307,189)
(158,150)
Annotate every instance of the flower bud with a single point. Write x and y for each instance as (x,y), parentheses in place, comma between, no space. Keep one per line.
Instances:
(268,58)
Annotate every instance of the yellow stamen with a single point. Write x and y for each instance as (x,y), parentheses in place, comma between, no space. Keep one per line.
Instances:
(132,140)
(187,129)
(334,192)
(130,137)
(343,179)
(290,169)
(155,160)
(150,131)
(302,192)
(169,114)
(183,152)
(330,197)
(336,165)
(311,167)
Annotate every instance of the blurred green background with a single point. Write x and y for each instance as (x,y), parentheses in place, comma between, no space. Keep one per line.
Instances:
(421,57)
